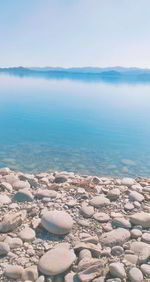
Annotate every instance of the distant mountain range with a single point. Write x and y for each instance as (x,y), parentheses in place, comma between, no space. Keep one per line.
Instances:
(109,74)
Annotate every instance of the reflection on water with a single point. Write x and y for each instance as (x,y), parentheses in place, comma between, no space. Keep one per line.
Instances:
(97,128)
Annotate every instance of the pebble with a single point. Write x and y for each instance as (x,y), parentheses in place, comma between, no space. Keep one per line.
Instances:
(115,237)
(113,194)
(100,201)
(135,196)
(145,268)
(146,238)
(142,250)
(135,233)
(141,218)
(101,217)
(4,200)
(117,251)
(57,222)
(4,248)
(127,181)
(135,275)
(121,222)
(86,211)
(117,270)
(27,234)
(129,207)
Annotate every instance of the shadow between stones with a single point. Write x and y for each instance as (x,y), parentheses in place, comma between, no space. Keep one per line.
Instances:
(43,234)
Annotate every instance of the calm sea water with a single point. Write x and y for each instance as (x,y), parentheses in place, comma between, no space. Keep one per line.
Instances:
(90,127)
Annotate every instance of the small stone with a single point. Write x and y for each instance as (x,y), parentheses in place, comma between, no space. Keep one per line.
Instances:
(12,221)
(127,181)
(46,193)
(121,222)
(117,251)
(90,269)
(141,218)
(129,207)
(142,250)
(18,185)
(4,248)
(86,211)
(60,179)
(13,271)
(4,200)
(71,203)
(4,171)
(6,186)
(117,270)
(27,234)
(145,268)
(30,273)
(85,254)
(13,242)
(94,249)
(100,201)
(146,238)
(113,194)
(57,222)
(41,279)
(91,239)
(133,259)
(83,222)
(135,275)
(101,217)
(135,233)
(115,237)
(135,196)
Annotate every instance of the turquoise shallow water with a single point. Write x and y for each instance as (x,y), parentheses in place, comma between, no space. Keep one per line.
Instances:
(91,127)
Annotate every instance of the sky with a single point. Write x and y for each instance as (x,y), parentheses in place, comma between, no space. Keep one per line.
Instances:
(75,33)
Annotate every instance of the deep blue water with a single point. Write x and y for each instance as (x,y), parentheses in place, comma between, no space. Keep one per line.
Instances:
(91,127)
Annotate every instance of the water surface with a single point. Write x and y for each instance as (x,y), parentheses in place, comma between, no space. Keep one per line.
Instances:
(90,127)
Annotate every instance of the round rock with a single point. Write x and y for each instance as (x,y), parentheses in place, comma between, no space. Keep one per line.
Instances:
(4,248)
(101,217)
(57,222)
(135,275)
(4,200)
(57,260)
(86,211)
(117,270)
(117,251)
(145,268)
(100,201)
(27,234)
(146,237)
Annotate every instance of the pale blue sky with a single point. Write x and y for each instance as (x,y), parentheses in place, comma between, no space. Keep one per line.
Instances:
(75,33)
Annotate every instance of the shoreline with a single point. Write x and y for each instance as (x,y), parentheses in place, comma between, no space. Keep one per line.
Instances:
(62,226)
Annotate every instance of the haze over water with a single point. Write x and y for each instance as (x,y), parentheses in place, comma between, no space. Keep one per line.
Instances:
(90,127)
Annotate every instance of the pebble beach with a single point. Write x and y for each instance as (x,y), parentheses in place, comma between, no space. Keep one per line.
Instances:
(62,226)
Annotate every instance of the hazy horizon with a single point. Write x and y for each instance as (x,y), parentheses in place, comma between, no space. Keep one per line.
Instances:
(77,33)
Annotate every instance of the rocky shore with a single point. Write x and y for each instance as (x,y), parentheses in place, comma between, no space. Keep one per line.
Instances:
(60,226)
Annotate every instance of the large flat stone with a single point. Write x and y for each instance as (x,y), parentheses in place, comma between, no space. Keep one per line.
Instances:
(57,260)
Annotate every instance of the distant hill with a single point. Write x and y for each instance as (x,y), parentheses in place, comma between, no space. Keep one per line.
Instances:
(109,74)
